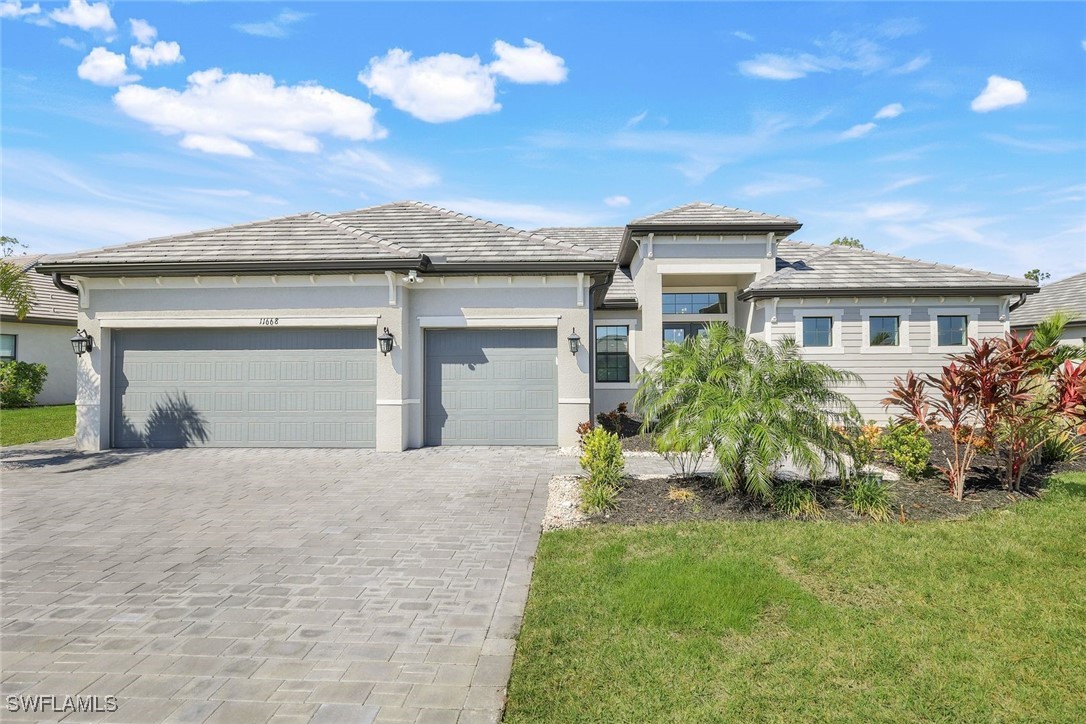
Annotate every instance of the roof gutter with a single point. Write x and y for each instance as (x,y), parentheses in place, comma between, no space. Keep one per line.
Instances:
(227,268)
(64,286)
(1019,303)
(882,292)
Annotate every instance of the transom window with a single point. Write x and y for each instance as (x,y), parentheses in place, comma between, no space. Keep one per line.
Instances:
(7,347)
(695,302)
(613,354)
(883,331)
(953,330)
(678,331)
(818,331)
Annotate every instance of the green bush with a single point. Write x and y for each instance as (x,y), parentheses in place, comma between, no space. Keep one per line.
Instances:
(21,382)
(869,495)
(796,500)
(601,459)
(908,449)
(1061,447)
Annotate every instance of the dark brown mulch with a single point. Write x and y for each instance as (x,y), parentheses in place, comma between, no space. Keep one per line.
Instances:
(645,500)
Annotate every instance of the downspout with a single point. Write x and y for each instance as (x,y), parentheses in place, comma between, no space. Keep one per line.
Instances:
(65,287)
(591,346)
(1019,303)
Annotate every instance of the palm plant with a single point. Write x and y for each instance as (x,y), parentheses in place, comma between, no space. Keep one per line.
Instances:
(755,404)
(1047,336)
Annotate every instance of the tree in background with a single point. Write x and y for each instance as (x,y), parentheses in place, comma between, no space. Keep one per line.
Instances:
(14,286)
(850,241)
(1037,275)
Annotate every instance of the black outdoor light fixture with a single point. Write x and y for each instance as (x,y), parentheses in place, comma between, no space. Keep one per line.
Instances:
(82,342)
(574,341)
(385,339)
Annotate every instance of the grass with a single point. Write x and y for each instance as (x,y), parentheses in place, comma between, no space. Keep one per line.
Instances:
(20,425)
(970,620)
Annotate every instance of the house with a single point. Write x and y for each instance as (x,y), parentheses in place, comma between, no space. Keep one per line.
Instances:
(43,335)
(1067,295)
(405,325)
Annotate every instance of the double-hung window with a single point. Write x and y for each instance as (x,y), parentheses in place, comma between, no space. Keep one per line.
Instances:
(613,353)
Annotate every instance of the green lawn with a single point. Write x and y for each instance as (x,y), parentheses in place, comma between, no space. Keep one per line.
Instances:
(19,425)
(975,620)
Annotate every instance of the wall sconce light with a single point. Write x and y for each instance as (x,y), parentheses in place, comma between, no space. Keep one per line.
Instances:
(82,342)
(385,339)
(574,341)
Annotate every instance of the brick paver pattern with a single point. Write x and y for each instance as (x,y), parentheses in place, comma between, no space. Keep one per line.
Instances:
(268,585)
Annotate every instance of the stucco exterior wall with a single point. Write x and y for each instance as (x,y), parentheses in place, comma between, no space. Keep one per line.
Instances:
(364,300)
(48,344)
(879,365)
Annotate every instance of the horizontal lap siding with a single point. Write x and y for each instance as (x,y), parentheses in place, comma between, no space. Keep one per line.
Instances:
(878,369)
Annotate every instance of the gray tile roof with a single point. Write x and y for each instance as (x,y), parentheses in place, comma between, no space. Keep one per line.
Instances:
(809,268)
(450,237)
(606,239)
(702,214)
(1067,295)
(50,304)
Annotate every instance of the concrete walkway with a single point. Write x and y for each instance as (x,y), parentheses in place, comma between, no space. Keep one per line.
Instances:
(268,585)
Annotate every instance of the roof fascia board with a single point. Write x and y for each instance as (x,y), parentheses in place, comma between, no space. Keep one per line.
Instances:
(226,268)
(882,292)
(626,247)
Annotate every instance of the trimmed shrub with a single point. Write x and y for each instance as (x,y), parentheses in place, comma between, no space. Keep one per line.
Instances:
(869,495)
(908,448)
(601,459)
(21,382)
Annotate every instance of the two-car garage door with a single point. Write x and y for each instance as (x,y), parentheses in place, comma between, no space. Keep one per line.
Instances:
(287,387)
(303,387)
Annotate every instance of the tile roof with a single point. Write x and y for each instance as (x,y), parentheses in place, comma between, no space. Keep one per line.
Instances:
(50,304)
(606,239)
(450,237)
(1067,295)
(815,268)
(700,213)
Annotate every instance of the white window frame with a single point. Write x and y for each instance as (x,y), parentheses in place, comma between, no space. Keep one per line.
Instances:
(904,344)
(972,315)
(14,346)
(631,329)
(836,314)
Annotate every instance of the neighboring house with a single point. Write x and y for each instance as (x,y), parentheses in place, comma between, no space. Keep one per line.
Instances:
(43,335)
(1067,295)
(269,333)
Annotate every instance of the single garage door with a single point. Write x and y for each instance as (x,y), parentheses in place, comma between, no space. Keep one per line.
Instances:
(244,388)
(491,387)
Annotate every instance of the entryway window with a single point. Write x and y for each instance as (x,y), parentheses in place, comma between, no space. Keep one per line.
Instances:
(613,353)
(678,331)
(7,347)
(695,303)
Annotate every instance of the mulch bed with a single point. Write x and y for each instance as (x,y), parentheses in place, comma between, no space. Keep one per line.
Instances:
(645,500)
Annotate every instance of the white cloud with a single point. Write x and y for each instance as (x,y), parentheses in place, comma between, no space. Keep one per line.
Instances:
(860,129)
(529,64)
(772,66)
(278,27)
(913,65)
(72,43)
(384,172)
(440,88)
(893,210)
(104,67)
(143,31)
(779,184)
(617,202)
(85,16)
(1054,145)
(15,9)
(222,113)
(899,27)
(744,36)
(891,111)
(905,183)
(839,52)
(999,93)
(161,53)
(634,120)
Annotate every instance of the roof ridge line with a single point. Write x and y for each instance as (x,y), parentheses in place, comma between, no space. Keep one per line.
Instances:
(505,227)
(361,233)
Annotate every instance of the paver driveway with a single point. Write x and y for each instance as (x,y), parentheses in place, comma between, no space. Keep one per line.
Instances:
(268,585)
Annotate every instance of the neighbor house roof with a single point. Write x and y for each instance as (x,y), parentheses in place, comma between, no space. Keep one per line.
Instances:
(51,306)
(606,239)
(1067,295)
(809,269)
(402,235)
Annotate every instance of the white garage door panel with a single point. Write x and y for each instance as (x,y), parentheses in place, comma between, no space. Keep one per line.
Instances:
(491,387)
(244,387)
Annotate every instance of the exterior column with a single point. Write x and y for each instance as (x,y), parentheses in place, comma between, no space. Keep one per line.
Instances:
(392,375)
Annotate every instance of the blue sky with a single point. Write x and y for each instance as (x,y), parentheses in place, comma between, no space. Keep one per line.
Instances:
(950,132)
